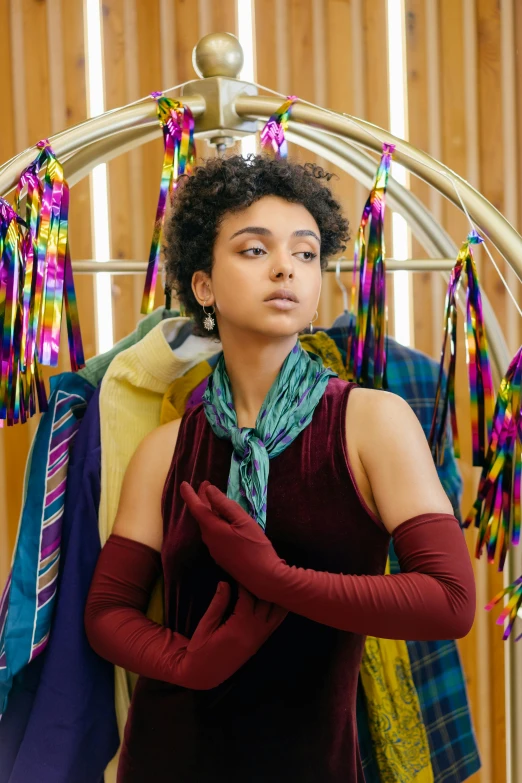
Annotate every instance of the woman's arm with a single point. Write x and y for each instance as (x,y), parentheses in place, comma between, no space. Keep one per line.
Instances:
(139,514)
(127,570)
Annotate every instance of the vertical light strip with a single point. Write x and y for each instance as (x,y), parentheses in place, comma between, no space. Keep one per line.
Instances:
(470,36)
(482,620)
(359,84)
(432,42)
(204,18)
(19,107)
(397,91)
(168,50)
(281,52)
(99,189)
(326,314)
(512,652)
(246,34)
(58,103)
(509,126)
(138,238)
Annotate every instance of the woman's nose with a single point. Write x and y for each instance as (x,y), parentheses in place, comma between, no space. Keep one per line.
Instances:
(283,270)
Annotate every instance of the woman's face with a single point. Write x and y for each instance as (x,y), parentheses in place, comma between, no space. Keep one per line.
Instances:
(266,274)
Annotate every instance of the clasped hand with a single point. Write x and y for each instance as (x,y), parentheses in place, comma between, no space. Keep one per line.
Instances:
(235,540)
(217,650)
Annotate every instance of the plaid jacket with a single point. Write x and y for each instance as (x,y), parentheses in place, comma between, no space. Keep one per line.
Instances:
(436,666)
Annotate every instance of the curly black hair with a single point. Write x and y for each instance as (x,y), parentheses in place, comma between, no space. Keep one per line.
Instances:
(224,185)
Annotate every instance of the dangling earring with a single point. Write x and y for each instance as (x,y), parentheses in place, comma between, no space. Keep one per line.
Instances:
(313,321)
(209,322)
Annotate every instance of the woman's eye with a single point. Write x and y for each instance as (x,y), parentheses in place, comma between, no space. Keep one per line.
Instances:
(251,250)
(308,253)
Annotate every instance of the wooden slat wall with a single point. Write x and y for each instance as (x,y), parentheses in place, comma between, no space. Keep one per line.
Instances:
(330,52)
(45,93)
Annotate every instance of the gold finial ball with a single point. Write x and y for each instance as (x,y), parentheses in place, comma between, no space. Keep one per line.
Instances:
(218,54)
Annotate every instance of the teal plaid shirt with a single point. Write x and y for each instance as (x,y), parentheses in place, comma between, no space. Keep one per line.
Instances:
(436,666)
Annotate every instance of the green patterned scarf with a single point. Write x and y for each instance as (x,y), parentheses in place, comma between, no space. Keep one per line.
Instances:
(288,408)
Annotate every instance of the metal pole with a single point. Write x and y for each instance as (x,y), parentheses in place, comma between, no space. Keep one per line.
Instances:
(130,267)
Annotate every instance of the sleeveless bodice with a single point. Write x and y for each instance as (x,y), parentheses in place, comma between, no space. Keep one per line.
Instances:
(289,712)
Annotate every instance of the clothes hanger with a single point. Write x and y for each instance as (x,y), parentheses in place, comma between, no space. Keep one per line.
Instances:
(182,334)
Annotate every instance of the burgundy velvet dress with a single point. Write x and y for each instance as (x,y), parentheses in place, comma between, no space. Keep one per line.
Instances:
(289,713)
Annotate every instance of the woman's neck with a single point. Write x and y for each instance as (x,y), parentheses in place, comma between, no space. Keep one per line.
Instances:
(253,363)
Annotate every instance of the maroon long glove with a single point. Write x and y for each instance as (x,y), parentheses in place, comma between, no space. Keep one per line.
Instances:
(119,631)
(434,597)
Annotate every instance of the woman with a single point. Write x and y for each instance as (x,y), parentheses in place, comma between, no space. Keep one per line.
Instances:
(270,591)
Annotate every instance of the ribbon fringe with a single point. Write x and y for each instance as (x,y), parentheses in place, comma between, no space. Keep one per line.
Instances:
(367,342)
(273,134)
(511,609)
(177,123)
(496,511)
(479,369)
(36,279)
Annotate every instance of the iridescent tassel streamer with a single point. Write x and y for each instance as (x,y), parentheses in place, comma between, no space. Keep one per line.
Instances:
(366,353)
(46,192)
(34,288)
(177,122)
(30,189)
(273,134)
(11,277)
(496,511)
(512,607)
(71,312)
(52,239)
(477,357)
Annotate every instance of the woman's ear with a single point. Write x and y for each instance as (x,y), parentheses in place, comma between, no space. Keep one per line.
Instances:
(202,289)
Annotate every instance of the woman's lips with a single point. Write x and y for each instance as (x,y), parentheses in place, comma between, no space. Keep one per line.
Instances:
(281,304)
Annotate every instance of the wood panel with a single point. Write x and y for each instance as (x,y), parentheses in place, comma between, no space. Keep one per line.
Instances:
(423,55)
(508,44)
(8,500)
(125,196)
(340,97)
(75,111)
(140,55)
(33,81)
(491,183)
(331,52)
(49,95)
(419,129)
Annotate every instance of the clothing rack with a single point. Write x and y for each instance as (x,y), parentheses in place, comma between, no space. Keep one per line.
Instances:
(133,267)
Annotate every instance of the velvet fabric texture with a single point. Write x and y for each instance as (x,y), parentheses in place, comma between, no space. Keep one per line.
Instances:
(289,712)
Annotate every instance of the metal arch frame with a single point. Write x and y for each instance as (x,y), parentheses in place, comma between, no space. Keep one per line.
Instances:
(327,133)
(102,138)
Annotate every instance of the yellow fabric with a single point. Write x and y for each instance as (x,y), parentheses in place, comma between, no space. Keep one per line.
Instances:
(399,739)
(323,345)
(176,397)
(131,397)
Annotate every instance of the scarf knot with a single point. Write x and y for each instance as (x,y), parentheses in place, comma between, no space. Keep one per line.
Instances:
(287,409)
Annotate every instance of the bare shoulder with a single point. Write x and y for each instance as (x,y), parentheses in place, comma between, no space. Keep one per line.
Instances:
(139,512)
(390,449)
(159,444)
(373,411)
(153,456)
